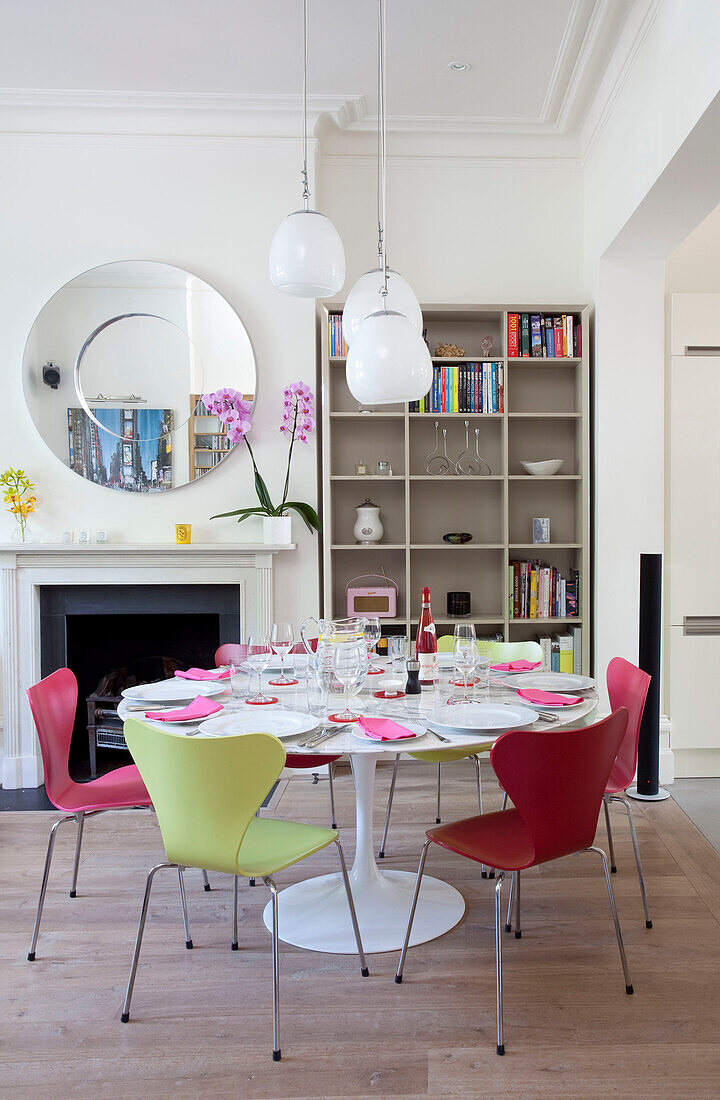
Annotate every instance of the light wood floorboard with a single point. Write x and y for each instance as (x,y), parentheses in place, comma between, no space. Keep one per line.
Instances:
(201,1020)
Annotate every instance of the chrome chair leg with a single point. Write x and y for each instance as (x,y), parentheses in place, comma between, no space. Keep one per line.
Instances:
(276,971)
(183,906)
(413,907)
(503,804)
(484,871)
(616,922)
(518,927)
(43,887)
(206,880)
(437,812)
(611,847)
(125,1016)
(381,853)
(498,965)
(331,769)
(234,944)
(80,818)
(353,915)
(511,899)
(636,850)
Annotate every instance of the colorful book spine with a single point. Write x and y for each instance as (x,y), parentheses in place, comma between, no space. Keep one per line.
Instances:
(513,335)
(535,336)
(524,335)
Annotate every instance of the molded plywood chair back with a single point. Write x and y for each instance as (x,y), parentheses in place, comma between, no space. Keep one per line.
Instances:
(53,703)
(627,687)
(556,781)
(230,653)
(205,791)
(498,651)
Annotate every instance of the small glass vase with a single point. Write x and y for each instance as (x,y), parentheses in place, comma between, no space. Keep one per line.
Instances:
(21,534)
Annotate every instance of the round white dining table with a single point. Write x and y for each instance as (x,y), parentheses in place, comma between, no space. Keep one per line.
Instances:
(314,913)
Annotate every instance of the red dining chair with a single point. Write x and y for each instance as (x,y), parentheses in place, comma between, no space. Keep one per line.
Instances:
(556,780)
(627,687)
(235,652)
(53,703)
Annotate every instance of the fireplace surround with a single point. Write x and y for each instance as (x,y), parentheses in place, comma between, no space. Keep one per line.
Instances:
(25,570)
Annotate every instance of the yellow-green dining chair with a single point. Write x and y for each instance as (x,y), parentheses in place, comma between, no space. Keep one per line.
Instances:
(499,653)
(205,792)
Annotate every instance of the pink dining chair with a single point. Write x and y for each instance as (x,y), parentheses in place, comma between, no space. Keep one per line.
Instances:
(627,687)
(53,703)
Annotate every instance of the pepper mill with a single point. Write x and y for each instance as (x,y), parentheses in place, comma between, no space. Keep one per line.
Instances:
(412,686)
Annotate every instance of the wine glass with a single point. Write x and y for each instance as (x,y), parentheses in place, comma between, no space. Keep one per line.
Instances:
(372,632)
(465,657)
(398,645)
(282,641)
(350,668)
(258,657)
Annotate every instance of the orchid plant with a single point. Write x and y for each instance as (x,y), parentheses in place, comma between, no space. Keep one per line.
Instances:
(297,424)
(18,495)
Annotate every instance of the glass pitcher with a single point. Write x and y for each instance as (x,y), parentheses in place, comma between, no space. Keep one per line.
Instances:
(330,633)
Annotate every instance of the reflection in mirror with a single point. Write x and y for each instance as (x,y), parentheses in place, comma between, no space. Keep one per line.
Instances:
(114,369)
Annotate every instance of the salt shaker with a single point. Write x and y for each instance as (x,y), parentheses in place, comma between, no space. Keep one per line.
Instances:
(412,686)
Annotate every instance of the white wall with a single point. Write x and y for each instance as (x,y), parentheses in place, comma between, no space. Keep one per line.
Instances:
(209,206)
(694,266)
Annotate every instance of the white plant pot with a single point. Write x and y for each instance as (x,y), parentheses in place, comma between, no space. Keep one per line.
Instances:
(277,530)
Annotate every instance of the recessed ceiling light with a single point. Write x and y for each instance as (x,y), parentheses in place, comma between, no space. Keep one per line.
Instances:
(458,66)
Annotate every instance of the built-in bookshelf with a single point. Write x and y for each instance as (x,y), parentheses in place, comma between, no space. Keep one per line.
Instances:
(542,413)
(207,439)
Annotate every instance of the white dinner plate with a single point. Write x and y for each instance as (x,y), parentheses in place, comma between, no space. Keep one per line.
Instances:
(175,690)
(481,717)
(551,681)
(417,729)
(549,706)
(280,723)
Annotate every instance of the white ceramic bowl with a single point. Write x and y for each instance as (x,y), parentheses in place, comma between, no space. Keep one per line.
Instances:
(543,469)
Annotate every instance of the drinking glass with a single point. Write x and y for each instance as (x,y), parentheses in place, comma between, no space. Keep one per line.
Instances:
(317,689)
(238,680)
(482,675)
(258,657)
(282,641)
(465,657)
(397,645)
(372,634)
(350,668)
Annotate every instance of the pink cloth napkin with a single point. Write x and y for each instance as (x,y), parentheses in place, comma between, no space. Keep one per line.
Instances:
(543,698)
(201,707)
(204,674)
(383,729)
(516,666)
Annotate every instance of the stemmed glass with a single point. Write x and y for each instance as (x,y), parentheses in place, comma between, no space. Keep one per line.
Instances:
(350,668)
(282,641)
(258,658)
(372,632)
(465,657)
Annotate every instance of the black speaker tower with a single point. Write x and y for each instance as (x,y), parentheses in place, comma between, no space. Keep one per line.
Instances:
(649,648)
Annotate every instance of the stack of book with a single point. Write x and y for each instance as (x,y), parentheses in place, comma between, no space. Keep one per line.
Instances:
(337,346)
(538,591)
(562,652)
(464,388)
(542,336)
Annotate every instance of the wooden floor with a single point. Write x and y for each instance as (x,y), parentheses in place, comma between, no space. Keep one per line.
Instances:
(201,1021)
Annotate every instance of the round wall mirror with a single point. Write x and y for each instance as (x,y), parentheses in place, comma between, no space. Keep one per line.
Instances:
(114,371)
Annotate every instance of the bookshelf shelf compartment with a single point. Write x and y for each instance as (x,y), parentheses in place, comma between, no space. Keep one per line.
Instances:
(497,509)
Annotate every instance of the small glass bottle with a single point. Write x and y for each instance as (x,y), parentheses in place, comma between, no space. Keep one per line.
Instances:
(361,468)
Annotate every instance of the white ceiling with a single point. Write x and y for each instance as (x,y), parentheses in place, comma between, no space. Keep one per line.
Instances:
(535,64)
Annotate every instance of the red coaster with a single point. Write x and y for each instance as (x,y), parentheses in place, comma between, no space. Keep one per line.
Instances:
(264,703)
(464,683)
(376,672)
(389,694)
(339,718)
(282,683)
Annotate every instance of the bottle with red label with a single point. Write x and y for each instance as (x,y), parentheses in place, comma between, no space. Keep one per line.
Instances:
(426,643)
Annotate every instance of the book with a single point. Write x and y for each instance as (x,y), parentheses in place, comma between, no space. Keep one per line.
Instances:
(554,655)
(545,647)
(513,335)
(557,333)
(565,648)
(524,335)
(576,633)
(535,336)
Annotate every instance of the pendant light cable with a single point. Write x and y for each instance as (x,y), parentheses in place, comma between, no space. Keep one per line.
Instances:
(382,229)
(304,173)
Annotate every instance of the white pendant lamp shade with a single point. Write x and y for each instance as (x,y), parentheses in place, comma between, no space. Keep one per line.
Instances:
(388,361)
(307,258)
(364,299)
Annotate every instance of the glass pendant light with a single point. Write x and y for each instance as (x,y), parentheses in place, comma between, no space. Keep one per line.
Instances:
(307,258)
(388,361)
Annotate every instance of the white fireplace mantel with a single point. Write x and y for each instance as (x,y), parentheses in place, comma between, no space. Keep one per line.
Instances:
(26,568)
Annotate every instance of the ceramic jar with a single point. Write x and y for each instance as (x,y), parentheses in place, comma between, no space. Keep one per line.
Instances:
(368,526)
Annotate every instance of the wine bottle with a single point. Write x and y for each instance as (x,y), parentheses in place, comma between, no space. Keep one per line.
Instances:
(426,643)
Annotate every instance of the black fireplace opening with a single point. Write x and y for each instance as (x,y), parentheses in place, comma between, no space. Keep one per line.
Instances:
(139,634)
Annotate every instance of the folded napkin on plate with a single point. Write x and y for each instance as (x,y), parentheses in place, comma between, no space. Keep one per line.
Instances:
(551,698)
(201,707)
(204,674)
(516,666)
(383,729)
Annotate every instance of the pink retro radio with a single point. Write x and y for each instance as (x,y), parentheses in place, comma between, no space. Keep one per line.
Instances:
(380,601)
